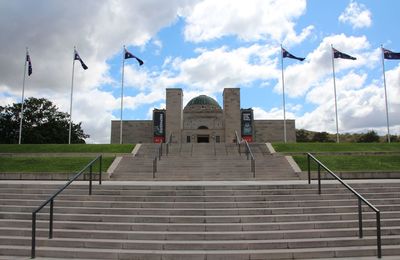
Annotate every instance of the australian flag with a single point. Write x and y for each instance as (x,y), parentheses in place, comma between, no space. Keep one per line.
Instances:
(28,59)
(286,54)
(129,55)
(77,57)
(390,55)
(340,55)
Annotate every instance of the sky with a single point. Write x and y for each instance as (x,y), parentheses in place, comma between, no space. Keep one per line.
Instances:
(203,47)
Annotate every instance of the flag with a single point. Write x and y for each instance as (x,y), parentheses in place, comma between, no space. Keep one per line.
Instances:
(340,55)
(77,57)
(28,59)
(286,54)
(390,55)
(129,55)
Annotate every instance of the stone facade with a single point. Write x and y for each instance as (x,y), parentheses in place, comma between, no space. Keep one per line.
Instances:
(272,130)
(174,116)
(133,131)
(203,120)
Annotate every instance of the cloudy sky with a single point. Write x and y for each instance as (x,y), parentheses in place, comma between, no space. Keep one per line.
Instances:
(203,47)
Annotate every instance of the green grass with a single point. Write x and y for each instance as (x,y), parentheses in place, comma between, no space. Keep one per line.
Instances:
(336,147)
(353,163)
(50,164)
(65,148)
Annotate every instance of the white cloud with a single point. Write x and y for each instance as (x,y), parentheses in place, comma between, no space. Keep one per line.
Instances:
(249,20)
(357,15)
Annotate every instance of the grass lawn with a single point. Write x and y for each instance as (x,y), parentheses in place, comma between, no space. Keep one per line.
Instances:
(66,148)
(336,147)
(353,163)
(50,164)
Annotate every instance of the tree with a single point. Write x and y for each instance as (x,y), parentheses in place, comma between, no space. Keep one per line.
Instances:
(369,137)
(42,123)
(302,135)
(322,137)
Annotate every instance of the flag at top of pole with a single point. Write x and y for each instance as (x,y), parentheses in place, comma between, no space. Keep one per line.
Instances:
(129,55)
(286,54)
(390,55)
(28,60)
(341,55)
(77,57)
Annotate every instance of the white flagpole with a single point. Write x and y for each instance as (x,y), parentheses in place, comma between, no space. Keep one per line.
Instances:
(334,89)
(283,98)
(21,116)
(70,104)
(386,101)
(122,95)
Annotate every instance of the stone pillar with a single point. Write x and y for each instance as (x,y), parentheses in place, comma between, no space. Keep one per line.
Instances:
(231,113)
(174,114)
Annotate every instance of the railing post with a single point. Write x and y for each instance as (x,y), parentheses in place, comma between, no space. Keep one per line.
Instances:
(154,167)
(33,247)
(309,169)
(90,180)
(360,224)
(319,178)
(378,234)
(100,170)
(253,167)
(167,149)
(51,219)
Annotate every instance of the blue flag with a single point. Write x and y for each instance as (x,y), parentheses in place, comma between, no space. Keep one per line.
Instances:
(286,54)
(129,55)
(390,55)
(340,55)
(28,59)
(77,57)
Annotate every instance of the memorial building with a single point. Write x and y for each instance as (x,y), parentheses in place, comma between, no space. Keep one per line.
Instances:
(202,120)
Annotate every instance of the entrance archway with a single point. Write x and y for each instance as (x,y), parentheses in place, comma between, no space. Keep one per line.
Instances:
(203,138)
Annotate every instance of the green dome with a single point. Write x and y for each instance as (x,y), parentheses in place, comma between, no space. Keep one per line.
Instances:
(204,101)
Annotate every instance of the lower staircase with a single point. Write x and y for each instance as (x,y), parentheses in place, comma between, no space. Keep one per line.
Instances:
(215,220)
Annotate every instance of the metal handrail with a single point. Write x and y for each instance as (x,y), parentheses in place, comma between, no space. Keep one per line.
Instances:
(157,156)
(253,159)
(169,141)
(360,199)
(237,141)
(51,201)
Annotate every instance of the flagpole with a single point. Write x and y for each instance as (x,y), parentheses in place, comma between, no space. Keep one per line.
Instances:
(283,98)
(70,104)
(334,89)
(22,100)
(386,102)
(122,95)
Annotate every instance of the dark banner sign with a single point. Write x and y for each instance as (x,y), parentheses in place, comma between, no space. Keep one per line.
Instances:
(247,124)
(159,125)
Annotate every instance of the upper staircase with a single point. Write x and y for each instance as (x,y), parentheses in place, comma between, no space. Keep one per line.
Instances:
(204,161)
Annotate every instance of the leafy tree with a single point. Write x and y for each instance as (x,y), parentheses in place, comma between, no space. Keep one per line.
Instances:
(42,123)
(302,136)
(369,137)
(322,137)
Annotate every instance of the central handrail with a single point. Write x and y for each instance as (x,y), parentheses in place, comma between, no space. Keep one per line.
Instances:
(169,141)
(157,156)
(360,199)
(248,153)
(51,201)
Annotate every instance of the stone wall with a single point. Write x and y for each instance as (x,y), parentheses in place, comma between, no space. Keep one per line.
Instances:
(231,113)
(272,131)
(174,114)
(133,131)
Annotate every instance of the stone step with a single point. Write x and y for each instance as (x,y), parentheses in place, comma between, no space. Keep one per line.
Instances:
(98,253)
(199,244)
(196,235)
(199,227)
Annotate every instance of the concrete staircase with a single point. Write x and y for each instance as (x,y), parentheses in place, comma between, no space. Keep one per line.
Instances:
(199,220)
(204,161)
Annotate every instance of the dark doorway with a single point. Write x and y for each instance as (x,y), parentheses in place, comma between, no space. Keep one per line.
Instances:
(203,138)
